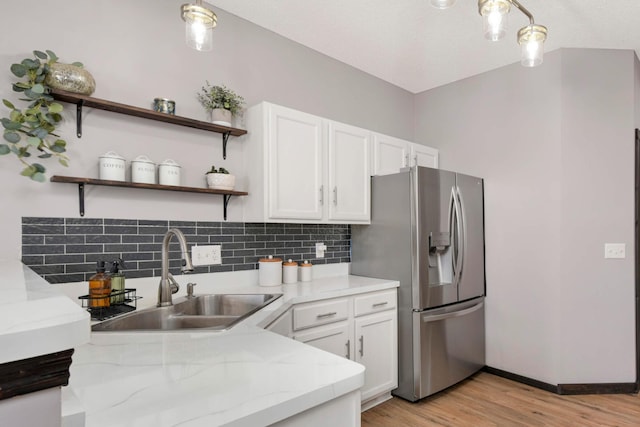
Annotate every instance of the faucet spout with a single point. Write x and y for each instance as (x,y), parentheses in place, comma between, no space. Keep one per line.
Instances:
(164,288)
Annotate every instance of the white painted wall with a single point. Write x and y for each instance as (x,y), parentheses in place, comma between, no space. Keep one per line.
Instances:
(555,146)
(136,52)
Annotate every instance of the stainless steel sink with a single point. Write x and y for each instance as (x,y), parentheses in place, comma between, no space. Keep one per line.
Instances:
(212,312)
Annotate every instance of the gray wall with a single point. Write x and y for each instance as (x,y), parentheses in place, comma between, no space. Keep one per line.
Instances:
(553,143)
(555,146)
(136,52)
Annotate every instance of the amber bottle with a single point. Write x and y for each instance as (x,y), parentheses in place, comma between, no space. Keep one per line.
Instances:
(99,287)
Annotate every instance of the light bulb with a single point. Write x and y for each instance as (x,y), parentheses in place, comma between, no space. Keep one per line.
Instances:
(198,36)
(494,17)
(199,24)
(531,39)
(442,4)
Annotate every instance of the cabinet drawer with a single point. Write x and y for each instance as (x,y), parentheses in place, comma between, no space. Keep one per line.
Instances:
(374,302)
(320,313)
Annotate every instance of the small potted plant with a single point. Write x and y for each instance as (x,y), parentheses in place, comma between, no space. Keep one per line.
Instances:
(220,179)
(221,102)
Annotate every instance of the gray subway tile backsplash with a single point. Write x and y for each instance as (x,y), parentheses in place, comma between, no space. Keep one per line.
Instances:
(66,249)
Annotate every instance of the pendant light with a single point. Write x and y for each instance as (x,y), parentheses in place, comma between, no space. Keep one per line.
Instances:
(442,4)
(494,18)
(531,39)
(199,23)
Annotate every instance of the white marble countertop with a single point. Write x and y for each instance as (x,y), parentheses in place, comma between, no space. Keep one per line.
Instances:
(242,377)
(36,318)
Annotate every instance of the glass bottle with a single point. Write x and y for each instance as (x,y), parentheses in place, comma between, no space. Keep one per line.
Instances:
(99,287)
(117,281)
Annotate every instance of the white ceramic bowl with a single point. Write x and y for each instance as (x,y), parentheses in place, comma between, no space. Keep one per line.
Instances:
(221,181)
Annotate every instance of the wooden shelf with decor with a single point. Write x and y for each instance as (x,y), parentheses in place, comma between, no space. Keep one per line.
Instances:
(129,110)
(92,181)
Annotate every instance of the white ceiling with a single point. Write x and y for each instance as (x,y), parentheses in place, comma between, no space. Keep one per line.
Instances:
(414,46)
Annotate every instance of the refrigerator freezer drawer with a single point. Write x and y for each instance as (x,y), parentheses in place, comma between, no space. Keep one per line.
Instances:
(450,345)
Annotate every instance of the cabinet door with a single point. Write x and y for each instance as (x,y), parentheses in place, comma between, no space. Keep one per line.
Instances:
(390,154)
(349,182)
(376,347)
(334,338)
(294,169)
(421,155)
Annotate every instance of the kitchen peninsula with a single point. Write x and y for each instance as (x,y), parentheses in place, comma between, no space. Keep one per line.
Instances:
(39,328)
(246,376)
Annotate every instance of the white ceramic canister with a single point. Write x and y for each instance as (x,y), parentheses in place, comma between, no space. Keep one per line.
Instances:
(290,272)
(305,271)
(169,173)
(112,167)
(270,271)
(143,170)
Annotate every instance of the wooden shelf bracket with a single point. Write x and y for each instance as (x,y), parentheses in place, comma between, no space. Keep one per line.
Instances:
(79,106)
(81,198)
(225,138)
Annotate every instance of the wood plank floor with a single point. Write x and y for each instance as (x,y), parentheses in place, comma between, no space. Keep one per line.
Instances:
(489,400)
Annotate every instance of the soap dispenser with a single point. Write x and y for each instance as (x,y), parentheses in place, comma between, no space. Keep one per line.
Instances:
(99,287)
(117,281)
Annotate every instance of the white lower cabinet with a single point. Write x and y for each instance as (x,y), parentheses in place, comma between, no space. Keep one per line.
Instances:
(361,327)
(376,349)
(334,338)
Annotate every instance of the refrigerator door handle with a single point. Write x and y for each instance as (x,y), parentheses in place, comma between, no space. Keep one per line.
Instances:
(461,248)
(453,221)
(436,317)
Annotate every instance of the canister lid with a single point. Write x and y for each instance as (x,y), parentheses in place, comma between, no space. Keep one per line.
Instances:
(290,263)
(142,159)
(170,162)
(306,264)
(111,155)
(270,259)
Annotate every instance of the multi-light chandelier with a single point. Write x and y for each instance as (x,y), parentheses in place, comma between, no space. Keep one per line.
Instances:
(199,23)
(494,15)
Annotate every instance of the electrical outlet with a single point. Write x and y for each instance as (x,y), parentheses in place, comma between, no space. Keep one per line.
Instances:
(615,250)
(206,255)
(320,248)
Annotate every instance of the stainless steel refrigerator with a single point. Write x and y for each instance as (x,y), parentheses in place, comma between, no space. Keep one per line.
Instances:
(427,231)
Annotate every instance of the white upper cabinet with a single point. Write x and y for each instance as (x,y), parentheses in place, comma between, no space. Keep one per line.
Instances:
(303,168)
(295,150)
(421,155)
(389,154)
(392,154)
(348,168)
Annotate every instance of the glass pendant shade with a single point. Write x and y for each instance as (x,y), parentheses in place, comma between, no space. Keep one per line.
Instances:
(494,17)
(442,4)
(531,39)
(199,23)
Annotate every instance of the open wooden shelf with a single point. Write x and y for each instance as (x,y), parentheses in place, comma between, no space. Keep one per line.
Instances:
(92,181)
(129,110)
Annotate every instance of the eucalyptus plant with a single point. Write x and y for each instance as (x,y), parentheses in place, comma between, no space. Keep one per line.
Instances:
(29,131)
(212,97)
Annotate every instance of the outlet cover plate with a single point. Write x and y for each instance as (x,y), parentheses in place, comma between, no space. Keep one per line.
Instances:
(206,255)
(615,250)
